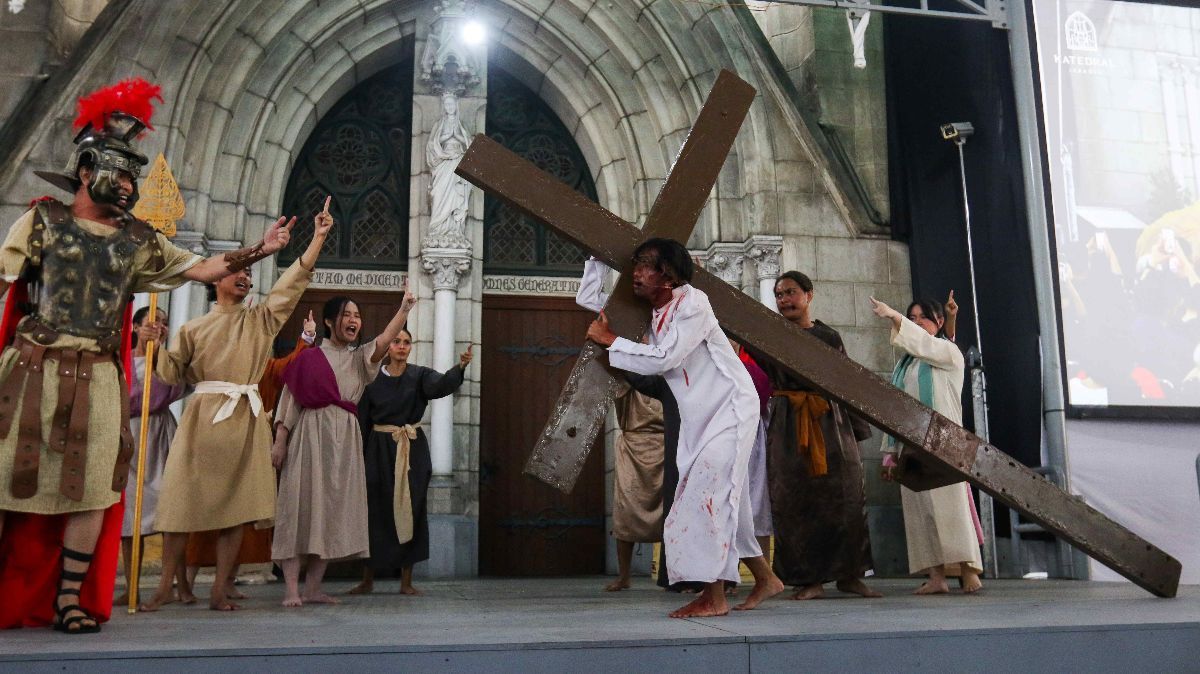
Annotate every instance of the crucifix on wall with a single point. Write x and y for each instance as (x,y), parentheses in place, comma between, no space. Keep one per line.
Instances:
(941,452)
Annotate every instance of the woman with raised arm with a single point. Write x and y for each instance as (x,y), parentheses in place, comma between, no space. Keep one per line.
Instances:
(398,462)
(321,507)
(943,538)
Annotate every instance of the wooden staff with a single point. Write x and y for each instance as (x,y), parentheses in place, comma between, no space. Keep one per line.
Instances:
(136,563)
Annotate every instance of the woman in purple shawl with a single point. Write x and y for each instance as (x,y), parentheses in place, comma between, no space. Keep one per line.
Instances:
(321,507)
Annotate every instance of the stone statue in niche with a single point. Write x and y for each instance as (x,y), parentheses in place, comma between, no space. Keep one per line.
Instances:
(449,195)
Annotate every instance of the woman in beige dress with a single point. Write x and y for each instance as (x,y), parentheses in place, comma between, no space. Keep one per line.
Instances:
(321,507)
(943,539)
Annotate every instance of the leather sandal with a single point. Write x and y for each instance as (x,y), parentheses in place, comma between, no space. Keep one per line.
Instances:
(73,624)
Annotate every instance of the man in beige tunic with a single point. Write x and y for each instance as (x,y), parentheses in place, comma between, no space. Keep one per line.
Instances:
(218,473)
(637,478)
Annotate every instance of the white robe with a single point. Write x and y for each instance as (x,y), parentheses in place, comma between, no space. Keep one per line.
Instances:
(938,524)
(711,525)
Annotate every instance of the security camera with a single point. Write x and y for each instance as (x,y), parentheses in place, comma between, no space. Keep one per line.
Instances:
(956,130)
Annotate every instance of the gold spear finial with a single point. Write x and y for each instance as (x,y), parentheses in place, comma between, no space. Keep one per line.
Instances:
(161,203)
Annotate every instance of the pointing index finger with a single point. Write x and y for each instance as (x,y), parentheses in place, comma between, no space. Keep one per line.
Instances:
(328,199)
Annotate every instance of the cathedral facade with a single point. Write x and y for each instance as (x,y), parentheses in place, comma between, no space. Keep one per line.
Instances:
(272,105)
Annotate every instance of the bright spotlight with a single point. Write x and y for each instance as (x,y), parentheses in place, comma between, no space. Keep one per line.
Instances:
(474,33)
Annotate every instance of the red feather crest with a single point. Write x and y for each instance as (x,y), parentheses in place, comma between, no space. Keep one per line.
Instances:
(133,96)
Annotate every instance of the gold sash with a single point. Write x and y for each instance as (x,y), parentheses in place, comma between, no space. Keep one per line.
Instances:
(402,496)
(809,408)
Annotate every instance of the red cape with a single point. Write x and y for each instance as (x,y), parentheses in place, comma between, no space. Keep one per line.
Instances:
(31,545)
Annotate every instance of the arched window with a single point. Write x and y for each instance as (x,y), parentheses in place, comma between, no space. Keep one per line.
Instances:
(523,123)
(359,153)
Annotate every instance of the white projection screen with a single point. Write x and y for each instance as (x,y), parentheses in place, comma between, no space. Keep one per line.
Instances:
(1121,113)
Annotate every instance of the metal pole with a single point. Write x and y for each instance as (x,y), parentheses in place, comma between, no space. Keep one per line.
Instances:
(987,518)
(1053,395)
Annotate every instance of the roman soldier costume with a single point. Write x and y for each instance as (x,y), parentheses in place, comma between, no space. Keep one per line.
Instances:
(65,445)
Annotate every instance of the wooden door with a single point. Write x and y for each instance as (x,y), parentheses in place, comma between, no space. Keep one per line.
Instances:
(376,308)
(527,528)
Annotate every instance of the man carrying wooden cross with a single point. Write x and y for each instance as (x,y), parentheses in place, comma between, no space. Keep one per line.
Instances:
(711,526)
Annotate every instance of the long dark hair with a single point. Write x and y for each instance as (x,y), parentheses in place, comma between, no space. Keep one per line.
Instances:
(932,309)
(674,260)
(332,310)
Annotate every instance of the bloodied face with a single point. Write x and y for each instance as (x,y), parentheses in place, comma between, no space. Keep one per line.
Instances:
(649,279)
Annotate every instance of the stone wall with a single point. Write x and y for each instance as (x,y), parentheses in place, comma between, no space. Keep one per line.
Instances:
(26,39)
(814,46)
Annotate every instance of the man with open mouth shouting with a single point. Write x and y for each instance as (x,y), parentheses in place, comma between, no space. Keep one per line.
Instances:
(65,444)
(219,474)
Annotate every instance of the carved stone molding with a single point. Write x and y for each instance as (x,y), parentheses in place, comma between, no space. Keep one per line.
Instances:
(198,243)
(446,266)
(725,260)
(764,251)
(448,63)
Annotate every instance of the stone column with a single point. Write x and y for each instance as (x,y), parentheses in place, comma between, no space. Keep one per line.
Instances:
(725,260)
(764,250)
(448,69)
(446,266)
(449,104)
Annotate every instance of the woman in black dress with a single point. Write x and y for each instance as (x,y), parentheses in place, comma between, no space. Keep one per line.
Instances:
(390,410)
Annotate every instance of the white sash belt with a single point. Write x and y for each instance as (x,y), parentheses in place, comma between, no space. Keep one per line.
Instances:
(234,393)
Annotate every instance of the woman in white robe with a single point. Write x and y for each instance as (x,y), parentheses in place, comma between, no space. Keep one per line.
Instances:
(942,536)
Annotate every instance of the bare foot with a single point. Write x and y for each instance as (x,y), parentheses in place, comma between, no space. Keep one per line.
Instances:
(223,604)
(410,590)
(971,583)
(857,586)
(186,597)
(933,587)
(763,590)
(156,602)
(703,607)
(617,585)
(320,598)
(292,601)
(231,593)
(814,591)
(365,587)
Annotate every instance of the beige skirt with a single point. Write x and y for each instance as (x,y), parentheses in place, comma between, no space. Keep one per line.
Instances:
(104,443)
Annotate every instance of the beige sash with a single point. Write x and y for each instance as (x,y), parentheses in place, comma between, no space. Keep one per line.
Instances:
(402,497)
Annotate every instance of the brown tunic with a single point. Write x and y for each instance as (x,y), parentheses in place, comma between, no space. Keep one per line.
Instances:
(820,522)
(638,469)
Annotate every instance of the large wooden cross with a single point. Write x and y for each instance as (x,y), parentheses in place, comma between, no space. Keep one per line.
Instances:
(941,452)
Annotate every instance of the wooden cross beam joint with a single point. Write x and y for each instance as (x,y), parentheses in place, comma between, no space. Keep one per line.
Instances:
(947,452)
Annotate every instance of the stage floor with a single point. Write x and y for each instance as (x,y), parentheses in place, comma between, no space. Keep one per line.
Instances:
(562,624)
